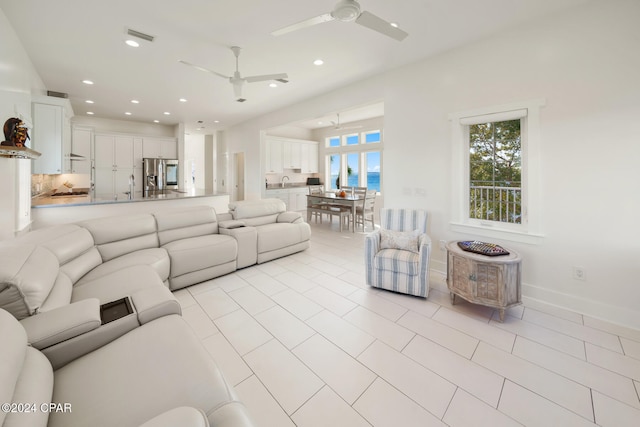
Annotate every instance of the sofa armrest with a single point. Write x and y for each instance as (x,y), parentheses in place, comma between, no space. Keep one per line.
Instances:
(291,217)
(183,416)
(224,216)
(60,324)
(153,303)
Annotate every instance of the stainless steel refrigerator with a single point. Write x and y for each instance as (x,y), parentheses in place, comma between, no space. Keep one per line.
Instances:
(159,176)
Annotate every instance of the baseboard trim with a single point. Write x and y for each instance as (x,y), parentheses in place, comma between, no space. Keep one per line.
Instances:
(595,309)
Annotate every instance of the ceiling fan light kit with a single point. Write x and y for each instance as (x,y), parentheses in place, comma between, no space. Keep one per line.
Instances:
(349,11)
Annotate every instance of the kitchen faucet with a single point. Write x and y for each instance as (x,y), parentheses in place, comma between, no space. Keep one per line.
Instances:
(282,180)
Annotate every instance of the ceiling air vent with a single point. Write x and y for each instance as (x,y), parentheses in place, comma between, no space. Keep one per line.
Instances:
(140,35)
(57,94)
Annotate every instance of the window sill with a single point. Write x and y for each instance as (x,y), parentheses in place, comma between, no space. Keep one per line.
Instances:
(498,233)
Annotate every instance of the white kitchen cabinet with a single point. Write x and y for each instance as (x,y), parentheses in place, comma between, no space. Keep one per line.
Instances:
(164,148)
(294,198)
(273,158)
(282,154)
(80,156)
(46,137)
(309,157)
(298,199)
(291,155)
(114,163)
(51,134)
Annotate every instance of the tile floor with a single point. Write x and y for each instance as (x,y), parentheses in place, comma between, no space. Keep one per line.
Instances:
(306,342)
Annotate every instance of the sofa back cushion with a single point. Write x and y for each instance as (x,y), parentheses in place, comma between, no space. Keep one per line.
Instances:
(257,212)
(27,275)
(119,235)
(71,244)
(185,223)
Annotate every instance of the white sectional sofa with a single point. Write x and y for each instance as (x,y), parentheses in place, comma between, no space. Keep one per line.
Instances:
(78,289)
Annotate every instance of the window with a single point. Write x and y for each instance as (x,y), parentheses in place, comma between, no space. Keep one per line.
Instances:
(372,137)
(496,172)
(333,142)
(354,163)
(351,139)
(372,165)
(495,169)
(334,171)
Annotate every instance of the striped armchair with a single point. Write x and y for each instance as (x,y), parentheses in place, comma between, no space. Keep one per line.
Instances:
(389,265)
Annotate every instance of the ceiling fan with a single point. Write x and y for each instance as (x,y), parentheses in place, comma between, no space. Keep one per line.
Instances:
(237,80)
(338,126)
(348,11)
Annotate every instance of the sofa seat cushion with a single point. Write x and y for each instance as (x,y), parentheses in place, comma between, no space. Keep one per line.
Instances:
(198,253)
(150,370)
(397,260)
(157,258)
(280,235)
(117,284)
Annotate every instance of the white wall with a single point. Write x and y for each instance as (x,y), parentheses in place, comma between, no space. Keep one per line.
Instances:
(18,82)
(585,64)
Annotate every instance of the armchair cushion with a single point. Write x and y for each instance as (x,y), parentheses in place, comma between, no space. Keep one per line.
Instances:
(404,240)
(399,261)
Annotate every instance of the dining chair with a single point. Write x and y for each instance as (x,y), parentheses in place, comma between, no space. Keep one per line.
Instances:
(366,211)
(315,208)
(397,254)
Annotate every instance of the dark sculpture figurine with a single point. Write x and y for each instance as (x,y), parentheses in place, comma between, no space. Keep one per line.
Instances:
(15,133)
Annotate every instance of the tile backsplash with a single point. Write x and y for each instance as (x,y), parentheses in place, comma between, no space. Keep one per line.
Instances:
(41,183)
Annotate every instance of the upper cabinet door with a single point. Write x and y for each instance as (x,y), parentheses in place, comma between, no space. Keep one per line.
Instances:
(103,151)
(123,153)
(47,138)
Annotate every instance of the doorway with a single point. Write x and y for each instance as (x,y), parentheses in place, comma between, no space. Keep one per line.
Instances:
(239,176)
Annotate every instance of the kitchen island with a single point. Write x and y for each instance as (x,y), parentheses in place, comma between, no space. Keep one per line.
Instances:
(47,210)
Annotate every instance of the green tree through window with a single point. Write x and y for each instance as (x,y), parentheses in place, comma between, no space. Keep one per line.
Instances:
(495,169)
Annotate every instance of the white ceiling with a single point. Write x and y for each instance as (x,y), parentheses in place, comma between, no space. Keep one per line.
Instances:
(72,40)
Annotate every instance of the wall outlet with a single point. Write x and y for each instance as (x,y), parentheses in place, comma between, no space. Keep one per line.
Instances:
(579,273)
(443,245)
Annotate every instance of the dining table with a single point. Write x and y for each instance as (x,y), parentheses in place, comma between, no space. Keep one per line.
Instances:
(331,198)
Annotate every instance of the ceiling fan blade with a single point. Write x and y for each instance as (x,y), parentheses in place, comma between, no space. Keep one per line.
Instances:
(372,22)
(306,23)
(282,78)
(197,67)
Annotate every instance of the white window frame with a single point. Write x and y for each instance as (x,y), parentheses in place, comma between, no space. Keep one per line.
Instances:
(361,149)
(529,231)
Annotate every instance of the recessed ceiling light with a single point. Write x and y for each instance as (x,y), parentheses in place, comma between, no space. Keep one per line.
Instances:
(166,113)
(88,101)
(156,121)
(273,85)
(135,101)
(90,113)
(182,100)
(318,62)
(127,113)
(132,43)
(216,121)
(87,82)
(393,24)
